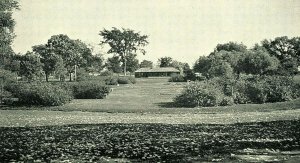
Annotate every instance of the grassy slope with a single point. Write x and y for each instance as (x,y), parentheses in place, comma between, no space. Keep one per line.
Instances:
(155,96)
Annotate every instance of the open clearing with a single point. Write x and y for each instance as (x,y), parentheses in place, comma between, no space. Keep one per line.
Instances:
(148,101)
(137,123)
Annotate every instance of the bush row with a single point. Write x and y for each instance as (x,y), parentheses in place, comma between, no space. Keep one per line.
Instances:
(39,94)
(114,80)
(253,89)
(55,94)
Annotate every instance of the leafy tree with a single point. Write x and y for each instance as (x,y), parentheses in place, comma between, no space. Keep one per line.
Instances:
(231,46)
(132,63)
(73,52)
(146,64)
(165,62)
(202,65)
(7,24)
(258,62)
(124,42)
(286,50)
(48,58)
(95,64)
(30,66)
(60,70)
(113,64)
(220,68)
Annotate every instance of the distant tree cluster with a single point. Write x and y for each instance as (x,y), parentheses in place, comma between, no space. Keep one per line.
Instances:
(275,57)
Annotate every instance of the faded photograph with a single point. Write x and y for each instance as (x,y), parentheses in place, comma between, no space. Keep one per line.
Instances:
(149,81)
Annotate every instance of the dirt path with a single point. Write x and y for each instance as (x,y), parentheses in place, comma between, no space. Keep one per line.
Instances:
(15,118)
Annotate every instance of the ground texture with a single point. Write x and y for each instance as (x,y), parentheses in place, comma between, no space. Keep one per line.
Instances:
(137,123)
(265,141)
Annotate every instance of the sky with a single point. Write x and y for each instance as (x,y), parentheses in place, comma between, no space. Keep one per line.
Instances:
(181,29)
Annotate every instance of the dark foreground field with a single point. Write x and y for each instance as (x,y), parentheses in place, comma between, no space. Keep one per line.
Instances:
(264,141)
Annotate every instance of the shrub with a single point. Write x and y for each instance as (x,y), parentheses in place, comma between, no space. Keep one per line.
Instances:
(112,80)
(265,89)
(106,73)
(177,78)
(43,94)
(82,75)
(7,76)
(200,94)
(132,79)
(90,90)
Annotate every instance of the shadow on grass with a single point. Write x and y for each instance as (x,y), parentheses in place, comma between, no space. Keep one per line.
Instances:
(170,105)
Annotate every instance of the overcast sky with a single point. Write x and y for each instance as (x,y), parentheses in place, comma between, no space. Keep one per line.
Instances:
(181,29)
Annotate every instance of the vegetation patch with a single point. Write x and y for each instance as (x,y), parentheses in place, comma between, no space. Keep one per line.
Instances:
(90,90)
(248,89)
(43,94)
(151,142)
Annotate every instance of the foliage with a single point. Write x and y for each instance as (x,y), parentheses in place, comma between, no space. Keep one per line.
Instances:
(131,62)
(42,94)
(30,66)
(266,89)
(258,62)
(73,52)
(231,46)
(95,64)
(82,75)
(146,64)
(106,73)
(7,25)
(90,90)
(124,42)
(286,50)
(177,78)
(200,94)
(49,59)
(165,62)
(7,76)
(113,64)
(114,80)
(220,69)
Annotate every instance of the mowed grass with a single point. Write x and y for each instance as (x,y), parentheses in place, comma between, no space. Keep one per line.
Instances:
(155,95)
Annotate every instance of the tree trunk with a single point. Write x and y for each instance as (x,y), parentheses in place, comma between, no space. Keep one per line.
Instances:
(70,77)
(47,77)
(125,65)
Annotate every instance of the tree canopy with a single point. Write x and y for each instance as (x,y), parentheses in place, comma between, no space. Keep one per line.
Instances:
(124,42)
(7,25)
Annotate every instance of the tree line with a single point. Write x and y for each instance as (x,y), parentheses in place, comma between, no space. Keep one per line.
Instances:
(61,55)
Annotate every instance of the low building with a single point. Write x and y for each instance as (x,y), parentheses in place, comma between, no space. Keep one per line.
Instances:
(156,72)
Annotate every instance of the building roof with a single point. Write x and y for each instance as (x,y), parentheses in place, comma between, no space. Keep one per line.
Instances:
(160,69)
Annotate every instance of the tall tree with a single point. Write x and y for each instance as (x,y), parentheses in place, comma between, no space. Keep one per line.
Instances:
(287,51)
(113,64)
(258,62)
(73,52)
(146,64)
(165,62)
(231,46)
(49,59)
(30,66)
(132,63)
(7,24)
(124,42)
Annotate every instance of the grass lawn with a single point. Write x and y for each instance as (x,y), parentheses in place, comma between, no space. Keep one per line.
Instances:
(154,95)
